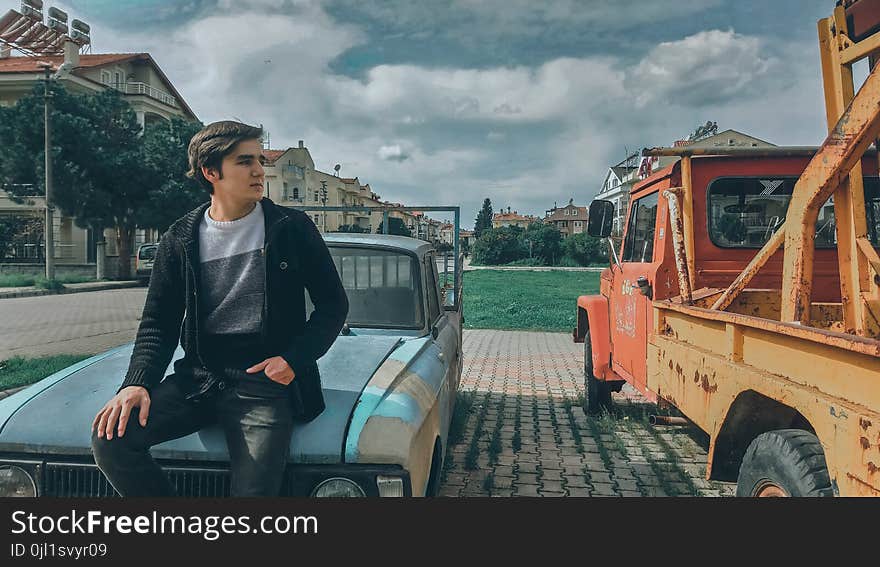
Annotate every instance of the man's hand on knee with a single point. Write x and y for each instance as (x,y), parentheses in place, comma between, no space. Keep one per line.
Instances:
(276,369)
(115,413)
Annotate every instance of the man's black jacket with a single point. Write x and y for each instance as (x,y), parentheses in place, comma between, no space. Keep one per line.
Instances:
(296,259)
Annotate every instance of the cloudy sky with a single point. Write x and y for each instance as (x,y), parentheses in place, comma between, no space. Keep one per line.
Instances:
(446,102)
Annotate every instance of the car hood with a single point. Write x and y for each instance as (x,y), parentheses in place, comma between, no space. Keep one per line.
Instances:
(54,416)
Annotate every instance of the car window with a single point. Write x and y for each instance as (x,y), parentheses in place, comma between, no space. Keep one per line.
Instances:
(383,287)
(639,243)
(744,212)
(147,252)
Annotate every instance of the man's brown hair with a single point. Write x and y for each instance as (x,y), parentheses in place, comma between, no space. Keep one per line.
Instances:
(213,143)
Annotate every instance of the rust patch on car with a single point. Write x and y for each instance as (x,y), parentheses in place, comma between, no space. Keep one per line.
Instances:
(864,443)
(872,468)
(863,423)
(706,386)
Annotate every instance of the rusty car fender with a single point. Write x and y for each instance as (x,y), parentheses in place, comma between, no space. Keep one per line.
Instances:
(593,315)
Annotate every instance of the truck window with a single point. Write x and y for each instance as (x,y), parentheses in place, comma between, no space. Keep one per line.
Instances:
(639,243)
(745,211)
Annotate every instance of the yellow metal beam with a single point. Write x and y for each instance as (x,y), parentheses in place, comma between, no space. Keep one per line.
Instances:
(850,53)
(849,207)
(856,129)
(742,280)
(687,215)
(866,248)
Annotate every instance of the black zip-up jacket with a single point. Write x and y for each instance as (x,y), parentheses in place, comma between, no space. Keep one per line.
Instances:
(296,259)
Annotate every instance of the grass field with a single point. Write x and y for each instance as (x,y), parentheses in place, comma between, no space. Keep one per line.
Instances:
(18,371)
(523,300)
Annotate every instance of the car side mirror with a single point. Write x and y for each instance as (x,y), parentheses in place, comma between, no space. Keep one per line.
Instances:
(601,218)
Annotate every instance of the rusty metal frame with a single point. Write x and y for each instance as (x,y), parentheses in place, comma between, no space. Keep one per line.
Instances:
(685,286)
(854,123)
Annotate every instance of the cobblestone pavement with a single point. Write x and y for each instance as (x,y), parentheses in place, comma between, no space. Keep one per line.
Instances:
(82,323)
(526,435)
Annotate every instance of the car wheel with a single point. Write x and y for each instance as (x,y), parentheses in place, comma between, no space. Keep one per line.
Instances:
(783,463)
(597,393)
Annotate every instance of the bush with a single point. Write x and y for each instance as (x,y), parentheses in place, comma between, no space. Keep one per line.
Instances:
(583,249)
(500,246)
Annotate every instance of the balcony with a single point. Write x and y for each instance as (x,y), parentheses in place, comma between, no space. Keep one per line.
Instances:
(137,88)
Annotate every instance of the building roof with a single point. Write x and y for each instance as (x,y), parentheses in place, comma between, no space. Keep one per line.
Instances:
(558,214)
(514,216)
(20,64)
(273,155)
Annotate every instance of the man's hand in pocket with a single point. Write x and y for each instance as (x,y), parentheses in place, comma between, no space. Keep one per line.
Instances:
(276,368)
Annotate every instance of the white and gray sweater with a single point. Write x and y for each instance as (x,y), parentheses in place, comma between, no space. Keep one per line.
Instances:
(232,273)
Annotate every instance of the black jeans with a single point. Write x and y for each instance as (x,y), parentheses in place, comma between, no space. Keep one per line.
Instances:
(257,432)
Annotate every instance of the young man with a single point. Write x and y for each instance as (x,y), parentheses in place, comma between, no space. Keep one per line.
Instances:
(233,271)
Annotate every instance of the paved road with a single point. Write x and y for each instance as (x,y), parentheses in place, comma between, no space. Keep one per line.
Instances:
(525,433)
(525,388)
(82,323)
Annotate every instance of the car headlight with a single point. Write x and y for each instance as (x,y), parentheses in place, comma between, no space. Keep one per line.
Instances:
(16,482)
(338,488)
(389,486)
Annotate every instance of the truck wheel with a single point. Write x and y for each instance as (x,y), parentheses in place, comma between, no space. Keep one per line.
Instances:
(597,393)
(785,462)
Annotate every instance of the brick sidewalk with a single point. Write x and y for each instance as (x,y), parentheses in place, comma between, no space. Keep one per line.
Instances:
(526,434)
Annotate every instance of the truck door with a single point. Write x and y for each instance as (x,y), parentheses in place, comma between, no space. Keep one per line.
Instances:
(629,308)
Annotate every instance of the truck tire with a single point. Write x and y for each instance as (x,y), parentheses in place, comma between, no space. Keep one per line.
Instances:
(597,393)
(785,462)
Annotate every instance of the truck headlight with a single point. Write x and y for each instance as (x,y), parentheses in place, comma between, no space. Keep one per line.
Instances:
(16,482)
(338,488)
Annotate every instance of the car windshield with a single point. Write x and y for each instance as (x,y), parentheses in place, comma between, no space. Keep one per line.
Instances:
(147,252)
(382,286)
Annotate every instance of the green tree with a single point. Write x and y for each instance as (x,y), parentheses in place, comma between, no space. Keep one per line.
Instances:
(484,218)
(395,226)
(545,241)
(106,174)
(99,172)
(500,246)
(584,250)
(170,194)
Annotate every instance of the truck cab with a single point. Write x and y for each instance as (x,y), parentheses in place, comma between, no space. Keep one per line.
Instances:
(738,203)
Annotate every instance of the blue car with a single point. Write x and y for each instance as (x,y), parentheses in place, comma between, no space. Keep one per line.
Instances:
(390,383)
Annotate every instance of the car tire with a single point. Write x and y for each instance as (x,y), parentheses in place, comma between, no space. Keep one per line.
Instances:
(785,462)
(597,393)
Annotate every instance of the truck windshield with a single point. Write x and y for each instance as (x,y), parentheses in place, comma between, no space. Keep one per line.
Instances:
(745,211)
(383,287)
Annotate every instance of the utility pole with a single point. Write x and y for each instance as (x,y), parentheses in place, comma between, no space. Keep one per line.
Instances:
(324,202)
(48,230)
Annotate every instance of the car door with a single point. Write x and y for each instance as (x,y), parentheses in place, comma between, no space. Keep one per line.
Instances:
(443,333)
(630,309)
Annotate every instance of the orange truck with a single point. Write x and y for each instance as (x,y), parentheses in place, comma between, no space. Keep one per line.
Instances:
(746,293)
